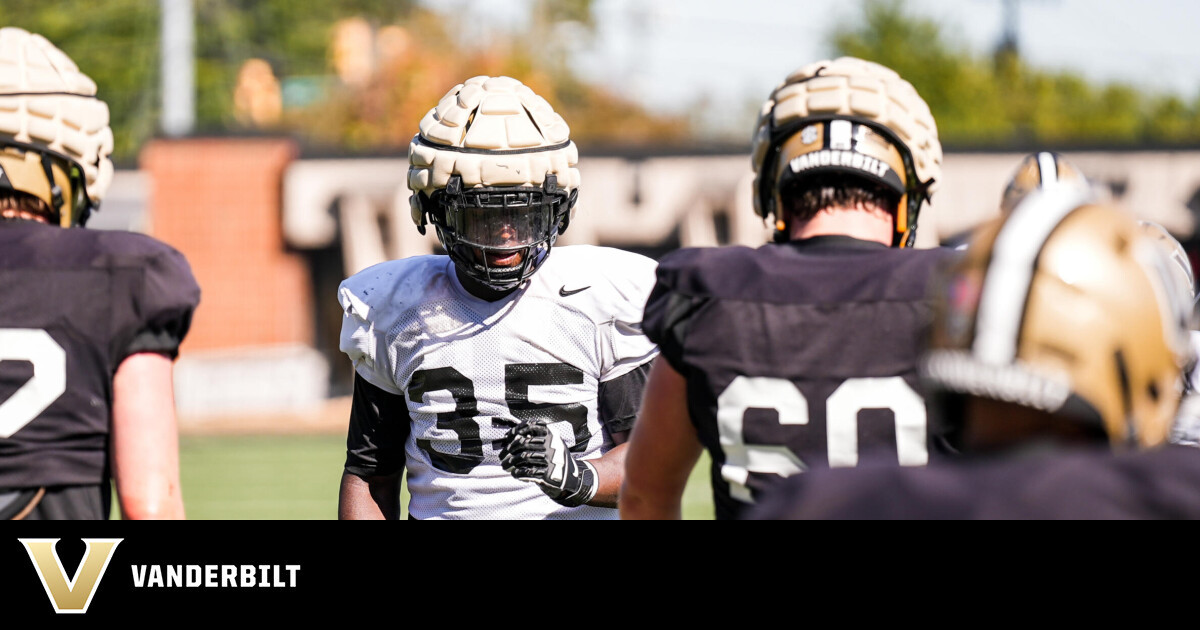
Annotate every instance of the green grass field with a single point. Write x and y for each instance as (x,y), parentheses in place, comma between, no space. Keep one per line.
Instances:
(297,476)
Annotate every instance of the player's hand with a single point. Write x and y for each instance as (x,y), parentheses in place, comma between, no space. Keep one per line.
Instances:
(535,453)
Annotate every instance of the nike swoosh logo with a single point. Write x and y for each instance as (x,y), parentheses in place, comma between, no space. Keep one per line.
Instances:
(564,292)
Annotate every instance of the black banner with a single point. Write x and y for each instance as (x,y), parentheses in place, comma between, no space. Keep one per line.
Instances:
(225,570)
(207,569)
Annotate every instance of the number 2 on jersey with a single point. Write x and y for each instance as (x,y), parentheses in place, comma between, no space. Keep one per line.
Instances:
(841,419)
(49,376)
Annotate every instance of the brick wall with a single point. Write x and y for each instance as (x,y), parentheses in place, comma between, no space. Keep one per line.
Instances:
(218,201)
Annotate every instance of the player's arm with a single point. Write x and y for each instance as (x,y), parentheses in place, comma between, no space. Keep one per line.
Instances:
(144,444)
(369,498)
(379,426)
(145,441)
(619,401)
(610,469)
(662,450)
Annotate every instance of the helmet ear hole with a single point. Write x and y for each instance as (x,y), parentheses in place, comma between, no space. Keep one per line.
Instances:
(425,207)
(567,210)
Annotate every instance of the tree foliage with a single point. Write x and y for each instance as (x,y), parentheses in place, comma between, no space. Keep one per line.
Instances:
(384,113)
(116,42)
(1000,99)
(979,100)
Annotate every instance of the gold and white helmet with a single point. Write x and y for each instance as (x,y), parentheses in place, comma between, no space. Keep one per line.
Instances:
(493,169)
(1062,306)
(1037,171)
(852,117)
(55,140)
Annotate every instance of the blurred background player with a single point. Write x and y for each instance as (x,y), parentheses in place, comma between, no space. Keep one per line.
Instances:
(504,379)
(1057,355)
(90,321)
(1037,171)
(1046,170)
(770,354)
(1043,170)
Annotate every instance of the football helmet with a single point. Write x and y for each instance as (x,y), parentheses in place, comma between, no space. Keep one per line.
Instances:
(1044,169)
(1058,306)
(853,117)
(493,168)
(55,140)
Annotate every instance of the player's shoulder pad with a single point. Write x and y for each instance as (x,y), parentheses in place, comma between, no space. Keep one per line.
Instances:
(685,280)
(915,269)
(374,300)
(613,280)
(168,278)
(610,286)
(703,271)
(390,286)
(119,247)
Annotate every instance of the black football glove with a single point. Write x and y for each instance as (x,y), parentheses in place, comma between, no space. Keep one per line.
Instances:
(535,453)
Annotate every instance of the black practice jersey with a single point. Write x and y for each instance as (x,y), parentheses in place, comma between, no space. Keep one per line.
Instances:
(1162,483)
(74,303)
(797,355)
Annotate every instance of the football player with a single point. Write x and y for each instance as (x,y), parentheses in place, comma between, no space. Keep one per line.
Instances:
(802,353)
(505,376)
(1037,171)
(1056,343)
(90,321)
(1040,171)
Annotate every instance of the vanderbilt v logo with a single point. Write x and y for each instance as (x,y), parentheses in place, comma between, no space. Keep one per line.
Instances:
(75,595)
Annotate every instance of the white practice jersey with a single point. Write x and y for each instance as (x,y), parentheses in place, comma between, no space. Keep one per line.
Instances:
(470,369)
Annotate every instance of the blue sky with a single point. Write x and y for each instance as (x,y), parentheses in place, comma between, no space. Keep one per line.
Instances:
(669,53)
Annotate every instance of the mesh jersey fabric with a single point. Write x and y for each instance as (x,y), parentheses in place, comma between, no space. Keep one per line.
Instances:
(471,370)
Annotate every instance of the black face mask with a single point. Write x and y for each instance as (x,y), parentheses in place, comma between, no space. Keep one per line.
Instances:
(480,227)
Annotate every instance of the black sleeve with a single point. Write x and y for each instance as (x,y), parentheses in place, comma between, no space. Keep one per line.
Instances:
(669,310)
(620,399)
(168,297)
(379,426)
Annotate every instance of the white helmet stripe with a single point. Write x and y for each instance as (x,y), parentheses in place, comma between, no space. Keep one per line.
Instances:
(840,134)
(1049,169)
(1009,273)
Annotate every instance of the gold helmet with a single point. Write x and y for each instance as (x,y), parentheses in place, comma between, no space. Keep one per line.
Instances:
(1058,307)
(1044,169)
(54,135)
(847,116)
(494,154)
